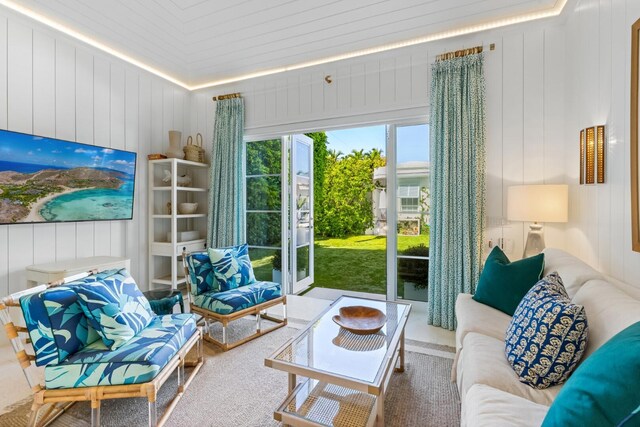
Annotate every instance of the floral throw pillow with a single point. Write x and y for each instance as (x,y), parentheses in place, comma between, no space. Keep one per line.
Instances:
(116,309)
(547,335)
(232,267)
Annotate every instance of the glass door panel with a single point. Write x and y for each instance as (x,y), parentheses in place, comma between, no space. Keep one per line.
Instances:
(412,203)
(301,212)
(264,208)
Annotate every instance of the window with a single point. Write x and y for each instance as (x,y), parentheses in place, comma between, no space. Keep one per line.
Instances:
(409,204)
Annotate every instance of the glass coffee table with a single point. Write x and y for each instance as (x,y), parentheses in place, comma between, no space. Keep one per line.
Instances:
(347,374)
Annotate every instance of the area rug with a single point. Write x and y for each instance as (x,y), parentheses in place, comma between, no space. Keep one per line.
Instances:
(235,389)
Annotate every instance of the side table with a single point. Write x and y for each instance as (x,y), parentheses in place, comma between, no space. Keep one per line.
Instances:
(162,301)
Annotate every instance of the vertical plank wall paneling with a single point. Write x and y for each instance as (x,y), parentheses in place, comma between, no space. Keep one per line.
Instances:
(4,231)
(524,117)
(57,87)
(65,243)
(20,115)
(44,123)
(599,46)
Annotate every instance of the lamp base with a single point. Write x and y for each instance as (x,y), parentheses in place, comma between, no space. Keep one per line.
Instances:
(535,241)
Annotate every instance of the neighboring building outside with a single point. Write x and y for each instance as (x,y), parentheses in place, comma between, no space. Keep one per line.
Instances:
(412,198)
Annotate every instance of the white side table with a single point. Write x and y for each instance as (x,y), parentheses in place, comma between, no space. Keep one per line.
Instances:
(45,273)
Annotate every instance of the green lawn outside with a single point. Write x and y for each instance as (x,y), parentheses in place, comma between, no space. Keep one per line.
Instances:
(356,263)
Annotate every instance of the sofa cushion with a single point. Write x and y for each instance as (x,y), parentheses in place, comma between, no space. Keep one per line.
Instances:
(56,323)
(547,335)
(232,266)
(503,284)
(473,316)
(482,361)
(138,361)
(116,308)
(239,298)
(490,407)
(610,310)
(574,272)
(201,273)
(604,389)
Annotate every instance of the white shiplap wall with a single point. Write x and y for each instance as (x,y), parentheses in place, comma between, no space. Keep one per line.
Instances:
(56,87)
(525,107)
(598,63)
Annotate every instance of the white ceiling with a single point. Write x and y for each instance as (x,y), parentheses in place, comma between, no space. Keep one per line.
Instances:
(200,41)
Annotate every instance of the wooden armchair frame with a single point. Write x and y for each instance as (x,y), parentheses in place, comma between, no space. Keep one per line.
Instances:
(58,400)
(258,310)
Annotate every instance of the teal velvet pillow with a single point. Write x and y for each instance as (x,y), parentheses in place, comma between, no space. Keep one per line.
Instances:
(605,389)
(232,266)
(503,284)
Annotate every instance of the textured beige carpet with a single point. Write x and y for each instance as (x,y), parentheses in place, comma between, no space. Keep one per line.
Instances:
(235,389)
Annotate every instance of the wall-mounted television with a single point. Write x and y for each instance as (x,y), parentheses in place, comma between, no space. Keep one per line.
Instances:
(51,180)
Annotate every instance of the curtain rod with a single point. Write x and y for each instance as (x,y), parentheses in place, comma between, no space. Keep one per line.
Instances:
(463,52)
(227,96)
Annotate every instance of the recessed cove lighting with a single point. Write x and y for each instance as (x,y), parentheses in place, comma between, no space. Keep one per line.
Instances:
(517,19)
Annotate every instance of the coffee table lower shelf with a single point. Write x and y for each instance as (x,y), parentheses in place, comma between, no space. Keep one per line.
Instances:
(313,403)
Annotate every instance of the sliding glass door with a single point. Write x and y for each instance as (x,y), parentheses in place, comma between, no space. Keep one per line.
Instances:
(408,204)
(279,209)
(301,226)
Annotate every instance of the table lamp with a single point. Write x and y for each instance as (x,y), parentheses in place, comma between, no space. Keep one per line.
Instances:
(537,203)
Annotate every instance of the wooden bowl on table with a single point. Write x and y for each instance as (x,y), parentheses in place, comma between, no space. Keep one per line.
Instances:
(360,320)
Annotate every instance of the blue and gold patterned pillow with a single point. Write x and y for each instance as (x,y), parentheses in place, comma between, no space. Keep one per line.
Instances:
(232,266)
(547,335)
(116,308)
(201,273)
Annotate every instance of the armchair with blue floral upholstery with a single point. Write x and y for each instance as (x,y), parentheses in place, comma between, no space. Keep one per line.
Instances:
(222,288)
(98,339)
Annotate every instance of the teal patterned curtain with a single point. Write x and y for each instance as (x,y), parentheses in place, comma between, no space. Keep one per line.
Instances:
(226,189)
(457,183)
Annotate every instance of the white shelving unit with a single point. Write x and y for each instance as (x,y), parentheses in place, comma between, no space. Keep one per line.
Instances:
(165,249)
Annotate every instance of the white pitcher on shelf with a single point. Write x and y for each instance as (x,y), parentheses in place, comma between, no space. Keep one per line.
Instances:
(183,180)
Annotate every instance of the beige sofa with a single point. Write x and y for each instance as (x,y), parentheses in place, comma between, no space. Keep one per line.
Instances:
(490,392)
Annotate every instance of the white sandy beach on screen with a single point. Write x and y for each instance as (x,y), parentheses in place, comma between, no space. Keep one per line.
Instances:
(34,215)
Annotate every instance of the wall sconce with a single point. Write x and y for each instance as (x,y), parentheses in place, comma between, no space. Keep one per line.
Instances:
(592,157)
(600,153)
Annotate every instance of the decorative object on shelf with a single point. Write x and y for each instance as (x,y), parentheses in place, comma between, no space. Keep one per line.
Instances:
(169,208)
(182,181)
(360,320)
(175,140)
(537,203)
(156,156)
(194,152)
(187,208)
(184,236)
(600,154)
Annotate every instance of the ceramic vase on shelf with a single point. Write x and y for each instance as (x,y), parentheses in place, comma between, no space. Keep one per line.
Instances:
(175,145)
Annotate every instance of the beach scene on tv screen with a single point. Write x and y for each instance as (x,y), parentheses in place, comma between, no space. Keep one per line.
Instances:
(49,180)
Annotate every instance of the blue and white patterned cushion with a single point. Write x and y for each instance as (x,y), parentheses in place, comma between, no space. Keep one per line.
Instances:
(56,323)
(201,273)
(232,266)
(547,335)
(239,298)
(116,309)
(138,361)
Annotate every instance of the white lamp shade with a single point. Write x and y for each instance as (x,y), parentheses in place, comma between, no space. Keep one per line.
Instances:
(538,203)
